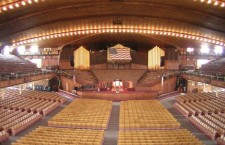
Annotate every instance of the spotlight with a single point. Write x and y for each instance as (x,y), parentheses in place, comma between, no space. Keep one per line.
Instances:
(218,50)
(205,49)
(21,50)
(7,50)
(189,49)
(34,49)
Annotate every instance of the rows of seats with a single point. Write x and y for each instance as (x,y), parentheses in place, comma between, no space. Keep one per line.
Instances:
(106,75)
(221,140)
(195,97)
(13,64)
(145,114)
(43,95)
(205,111)
(213,125)
(15,121)
(214,67)
(158,137)
(62,136)
(3,135)
(84,113)
(194,104)
(31,101)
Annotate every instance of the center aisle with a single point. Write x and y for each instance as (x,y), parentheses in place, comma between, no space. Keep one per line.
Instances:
(111,134)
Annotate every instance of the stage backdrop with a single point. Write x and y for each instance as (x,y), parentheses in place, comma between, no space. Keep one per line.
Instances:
(81,58)
(154,58)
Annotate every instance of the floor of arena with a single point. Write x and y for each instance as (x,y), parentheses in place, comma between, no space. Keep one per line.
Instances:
(111,134)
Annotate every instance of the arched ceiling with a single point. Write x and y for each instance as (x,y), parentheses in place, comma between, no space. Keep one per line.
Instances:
(56,16)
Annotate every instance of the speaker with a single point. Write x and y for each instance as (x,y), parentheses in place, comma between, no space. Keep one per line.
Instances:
(162,61)
(72,61)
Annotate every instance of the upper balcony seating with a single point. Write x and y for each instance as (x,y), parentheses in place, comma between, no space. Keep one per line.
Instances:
(62,136)
(157,137)
(145,115)
(13,64)
(3,135)
(84,113)
(214,67)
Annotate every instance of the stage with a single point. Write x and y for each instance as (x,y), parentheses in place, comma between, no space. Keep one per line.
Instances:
(122,96)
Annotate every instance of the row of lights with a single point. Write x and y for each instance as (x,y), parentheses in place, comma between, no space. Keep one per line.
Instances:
(120,30)
(17,4)
(219,3)
(218,50)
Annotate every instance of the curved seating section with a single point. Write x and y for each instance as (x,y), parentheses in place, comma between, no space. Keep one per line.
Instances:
(106,75)
(3,136)
(145,114)
(34,101)
(43,95)
(205,111)
(221,140)
(194,104)
(62,136)
(84,113)
(158,137)
(213,125)
(216,66)
(15,121)
(13,64)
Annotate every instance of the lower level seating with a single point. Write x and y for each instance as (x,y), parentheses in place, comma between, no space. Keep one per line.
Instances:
(62,136)
(145,114)
(213,125)
(221,140)
(84,113)
(157,137)
(16,121)
(3,136)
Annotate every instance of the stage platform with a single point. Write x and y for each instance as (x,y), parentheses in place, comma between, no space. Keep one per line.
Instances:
(122,96)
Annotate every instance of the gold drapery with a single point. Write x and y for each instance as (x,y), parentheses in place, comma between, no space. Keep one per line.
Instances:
(81,58)
(154,58)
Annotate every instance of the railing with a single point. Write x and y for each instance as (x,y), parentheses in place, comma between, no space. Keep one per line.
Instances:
(216,77)
(11,76)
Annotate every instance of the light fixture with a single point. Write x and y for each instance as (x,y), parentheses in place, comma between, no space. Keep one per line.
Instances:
(7,50)
(205,49)
(21,50)
(34,49)
(190,49)
(218,50)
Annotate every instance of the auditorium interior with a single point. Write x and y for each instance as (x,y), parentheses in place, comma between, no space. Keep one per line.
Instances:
(112,72)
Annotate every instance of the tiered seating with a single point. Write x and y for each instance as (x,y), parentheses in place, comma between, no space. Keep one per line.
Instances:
(84,113)
(42,102)
(83,77)
(125,75)
(206,111)
(216,66)
(158,137)
(16,121)
(151,77)
(50,96)
(3,136)
(62,136)
(221,140)
(212,125)
(13,64)
(194,104)
(145,114)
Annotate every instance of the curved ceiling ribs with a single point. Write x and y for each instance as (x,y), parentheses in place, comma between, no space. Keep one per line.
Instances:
(74,19)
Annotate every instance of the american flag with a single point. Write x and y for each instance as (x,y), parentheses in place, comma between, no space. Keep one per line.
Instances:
(119,53)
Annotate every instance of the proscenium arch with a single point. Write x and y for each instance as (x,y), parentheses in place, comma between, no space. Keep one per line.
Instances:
(116,24)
